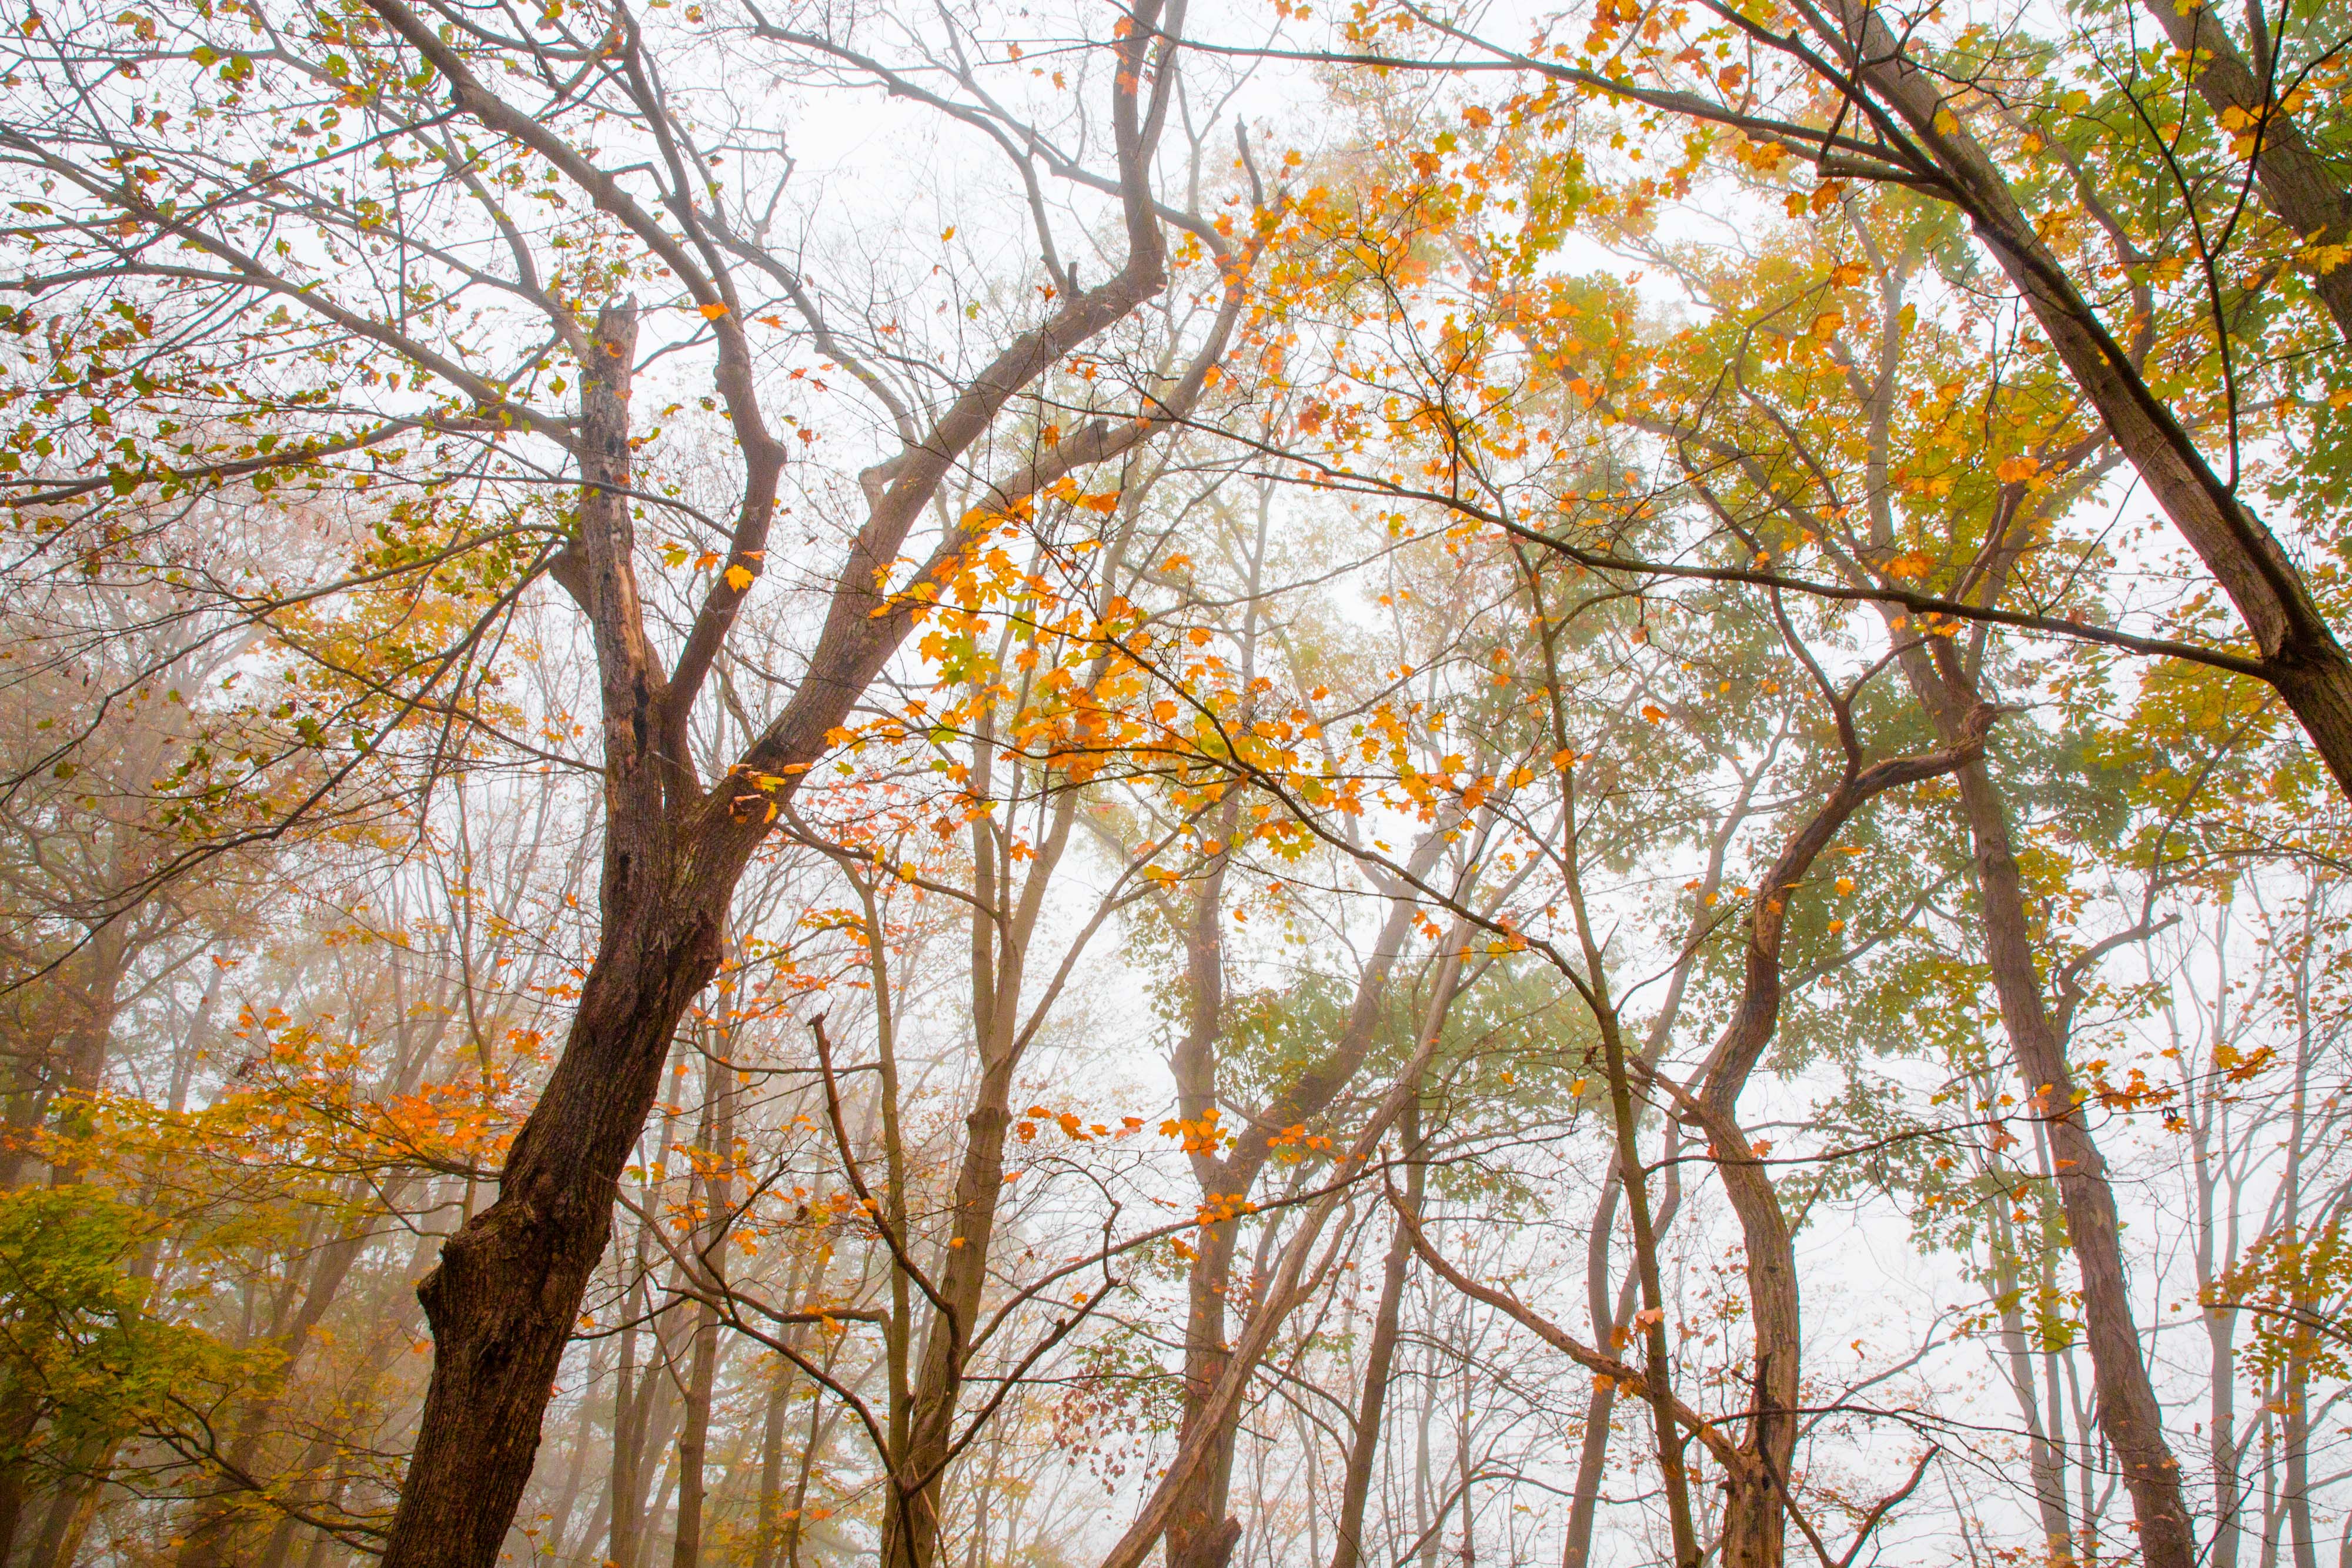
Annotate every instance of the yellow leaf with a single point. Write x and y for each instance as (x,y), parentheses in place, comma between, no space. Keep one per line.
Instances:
(739,578)
(2021,467)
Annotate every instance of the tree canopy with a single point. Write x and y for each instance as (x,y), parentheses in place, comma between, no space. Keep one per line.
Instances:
(1070,786)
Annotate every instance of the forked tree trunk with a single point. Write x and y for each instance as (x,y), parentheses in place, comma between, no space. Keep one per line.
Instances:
(1202,1533)
(505,1297)
(504,1300)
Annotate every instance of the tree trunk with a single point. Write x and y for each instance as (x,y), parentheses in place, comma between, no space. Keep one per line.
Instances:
(622,1491)
(2299,653)
(212,1531)
(766,1524)
(2294,183)
(1348,1551)
(2129,1414)
(2044,1463)
(719,1141)
(507,1293)
(1754,1521)
(504,1297)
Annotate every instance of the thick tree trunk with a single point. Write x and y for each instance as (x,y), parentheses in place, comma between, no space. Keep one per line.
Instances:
(505,1297)
(2129,1414)
(504,1300)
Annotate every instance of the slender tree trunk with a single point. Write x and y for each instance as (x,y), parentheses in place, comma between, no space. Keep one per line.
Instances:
(768,1526)
(211,1533)
(2295,1445)
(20,1413)
(2229,1482)
(2043,1463)
(1424,1480)
(75,1504)
(1754,1521)
(631,1402)
(1202,1533)
(1347,1549)
(796,1518)
(719,1140)
(1606,1316)
(575,1469)
(2128,1415)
